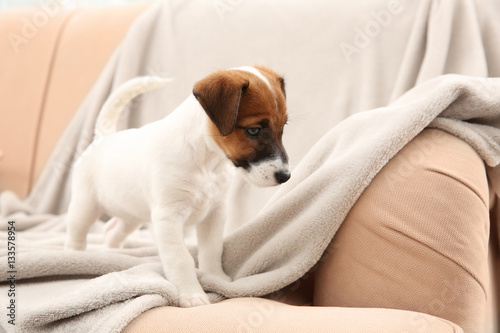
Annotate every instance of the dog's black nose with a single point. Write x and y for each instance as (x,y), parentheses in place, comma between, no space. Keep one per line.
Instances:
(282,176)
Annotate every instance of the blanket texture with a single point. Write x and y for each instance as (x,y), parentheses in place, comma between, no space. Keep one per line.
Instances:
(288,228)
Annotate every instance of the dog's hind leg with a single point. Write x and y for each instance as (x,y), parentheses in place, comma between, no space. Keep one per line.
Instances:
(82,213)
(116,230)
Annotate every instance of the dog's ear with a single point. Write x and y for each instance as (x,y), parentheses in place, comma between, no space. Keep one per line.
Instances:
(219,94)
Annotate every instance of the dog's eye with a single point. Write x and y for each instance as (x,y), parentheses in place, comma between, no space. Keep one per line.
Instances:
(253,132)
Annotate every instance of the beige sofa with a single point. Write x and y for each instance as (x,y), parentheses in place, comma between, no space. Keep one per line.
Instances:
(48,66)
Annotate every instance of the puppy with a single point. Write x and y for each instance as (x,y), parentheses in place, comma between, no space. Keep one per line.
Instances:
(174,172)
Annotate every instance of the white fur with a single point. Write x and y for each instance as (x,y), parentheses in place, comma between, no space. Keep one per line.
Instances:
(170,172)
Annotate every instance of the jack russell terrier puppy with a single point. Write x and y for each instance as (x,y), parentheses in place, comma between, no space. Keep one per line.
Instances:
(174,172)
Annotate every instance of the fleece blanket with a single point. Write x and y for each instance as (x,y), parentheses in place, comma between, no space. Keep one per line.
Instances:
(101,290)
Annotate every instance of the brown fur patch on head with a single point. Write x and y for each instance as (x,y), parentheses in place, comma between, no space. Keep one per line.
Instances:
(259,106)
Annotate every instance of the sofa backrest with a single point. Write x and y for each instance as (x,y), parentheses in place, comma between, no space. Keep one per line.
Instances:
(50,58)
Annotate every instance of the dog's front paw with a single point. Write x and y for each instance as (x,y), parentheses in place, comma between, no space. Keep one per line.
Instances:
(188,301)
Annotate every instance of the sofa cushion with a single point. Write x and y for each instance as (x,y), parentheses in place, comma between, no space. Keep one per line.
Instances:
(262,315)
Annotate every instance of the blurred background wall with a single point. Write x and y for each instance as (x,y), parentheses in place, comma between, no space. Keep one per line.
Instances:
(4,4)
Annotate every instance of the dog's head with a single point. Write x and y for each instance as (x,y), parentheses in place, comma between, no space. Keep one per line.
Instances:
(247,109)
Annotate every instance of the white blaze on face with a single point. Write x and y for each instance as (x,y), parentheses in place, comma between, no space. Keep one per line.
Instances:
(268,173)
(256,72)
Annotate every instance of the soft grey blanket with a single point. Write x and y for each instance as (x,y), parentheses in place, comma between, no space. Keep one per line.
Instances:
(101,290)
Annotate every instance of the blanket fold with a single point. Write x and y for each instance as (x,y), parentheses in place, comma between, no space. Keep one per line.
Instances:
(102,290)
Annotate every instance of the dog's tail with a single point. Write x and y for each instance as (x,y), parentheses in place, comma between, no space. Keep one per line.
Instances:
(112,108)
